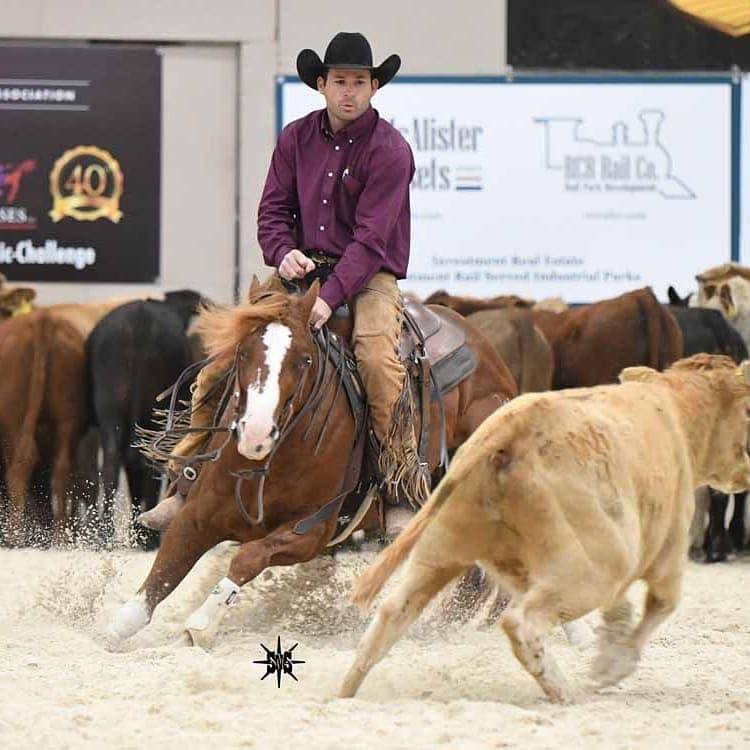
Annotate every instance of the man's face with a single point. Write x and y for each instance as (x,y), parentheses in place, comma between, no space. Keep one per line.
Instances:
(347,93)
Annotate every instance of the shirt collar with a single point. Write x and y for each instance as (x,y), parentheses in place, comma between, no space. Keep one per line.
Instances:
(356,129)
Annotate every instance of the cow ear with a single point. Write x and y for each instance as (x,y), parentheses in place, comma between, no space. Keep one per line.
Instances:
(638,375)
(674,298)
(727,302)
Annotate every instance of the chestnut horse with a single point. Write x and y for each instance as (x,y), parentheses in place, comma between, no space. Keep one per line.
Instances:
(287,406)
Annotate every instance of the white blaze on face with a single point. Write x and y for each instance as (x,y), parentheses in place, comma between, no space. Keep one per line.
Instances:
(257,427)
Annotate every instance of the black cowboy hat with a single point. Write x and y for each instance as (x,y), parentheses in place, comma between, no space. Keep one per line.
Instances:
(345,50)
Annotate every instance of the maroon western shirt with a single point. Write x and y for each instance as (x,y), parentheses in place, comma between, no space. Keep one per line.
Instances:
(345,194)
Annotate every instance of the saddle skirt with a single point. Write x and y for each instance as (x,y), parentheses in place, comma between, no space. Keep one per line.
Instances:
(429,331)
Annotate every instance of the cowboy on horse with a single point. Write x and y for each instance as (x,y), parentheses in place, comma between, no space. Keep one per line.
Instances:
(336,204)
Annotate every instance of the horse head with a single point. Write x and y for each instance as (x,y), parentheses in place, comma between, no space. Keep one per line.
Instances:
(269,344)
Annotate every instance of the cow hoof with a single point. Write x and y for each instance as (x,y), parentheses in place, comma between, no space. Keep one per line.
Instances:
(613,664)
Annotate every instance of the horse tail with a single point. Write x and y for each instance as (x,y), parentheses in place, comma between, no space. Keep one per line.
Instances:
(373,579)
(27,450)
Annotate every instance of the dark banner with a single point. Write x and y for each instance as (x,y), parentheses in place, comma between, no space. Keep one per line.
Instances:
(634,35)
(80,163)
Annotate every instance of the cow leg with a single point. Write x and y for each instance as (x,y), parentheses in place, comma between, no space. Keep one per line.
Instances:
(17,473)
(616,658)
(698,523)
(527,622)
(182,546)
(143,494)
(737,524)
(62,467)
(281,547)
(420,584)
(717,543)
(111,453)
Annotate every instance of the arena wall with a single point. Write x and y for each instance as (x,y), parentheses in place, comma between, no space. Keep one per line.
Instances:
(220,64)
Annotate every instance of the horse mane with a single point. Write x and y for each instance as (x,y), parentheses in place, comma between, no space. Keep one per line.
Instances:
(222,328)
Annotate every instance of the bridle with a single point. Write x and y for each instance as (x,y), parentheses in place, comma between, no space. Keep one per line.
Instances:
(327,374)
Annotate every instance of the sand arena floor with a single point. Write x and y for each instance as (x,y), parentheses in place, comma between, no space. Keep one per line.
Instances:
(451,686)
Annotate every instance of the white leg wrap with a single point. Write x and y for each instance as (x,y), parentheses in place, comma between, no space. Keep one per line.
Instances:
(129,619)
(204,622)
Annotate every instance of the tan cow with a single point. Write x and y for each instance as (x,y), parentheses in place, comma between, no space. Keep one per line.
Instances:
(566,498)
(726,288)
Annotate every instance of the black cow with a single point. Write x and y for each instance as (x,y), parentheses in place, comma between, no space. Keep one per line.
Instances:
(134,353)
(705,330)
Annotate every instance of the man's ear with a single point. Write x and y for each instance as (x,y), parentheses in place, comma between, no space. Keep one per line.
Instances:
(638,375)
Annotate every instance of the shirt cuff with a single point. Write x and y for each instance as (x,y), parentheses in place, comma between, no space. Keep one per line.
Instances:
(332,293)
(279,255)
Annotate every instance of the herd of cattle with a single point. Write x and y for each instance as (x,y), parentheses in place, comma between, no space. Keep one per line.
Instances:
(79,377)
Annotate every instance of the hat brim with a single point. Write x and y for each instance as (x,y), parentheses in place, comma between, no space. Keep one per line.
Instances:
(310,66)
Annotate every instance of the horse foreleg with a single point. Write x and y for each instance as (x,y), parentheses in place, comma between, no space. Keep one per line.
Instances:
(281,547)
(183,545)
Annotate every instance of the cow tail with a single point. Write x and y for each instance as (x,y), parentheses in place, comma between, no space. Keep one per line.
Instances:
(27,448)
(652,320)
(373,579)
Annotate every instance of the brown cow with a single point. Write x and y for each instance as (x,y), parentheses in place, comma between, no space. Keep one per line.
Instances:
(594,343)
(469,305)
(566,499)
(44,397)
(520,344)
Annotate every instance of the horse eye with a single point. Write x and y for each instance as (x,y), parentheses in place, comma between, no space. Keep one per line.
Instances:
(306,361)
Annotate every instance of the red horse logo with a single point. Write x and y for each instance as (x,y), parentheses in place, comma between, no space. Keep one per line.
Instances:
(10,178)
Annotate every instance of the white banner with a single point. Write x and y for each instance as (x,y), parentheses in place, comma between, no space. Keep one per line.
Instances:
(582,190)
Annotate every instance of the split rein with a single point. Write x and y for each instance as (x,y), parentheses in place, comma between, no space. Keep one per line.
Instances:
(232,391)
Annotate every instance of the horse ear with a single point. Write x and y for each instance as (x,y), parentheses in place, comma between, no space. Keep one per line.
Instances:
(308,298)
(254,286)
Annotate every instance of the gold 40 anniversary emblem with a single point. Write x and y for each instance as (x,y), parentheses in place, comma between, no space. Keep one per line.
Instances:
(86,184)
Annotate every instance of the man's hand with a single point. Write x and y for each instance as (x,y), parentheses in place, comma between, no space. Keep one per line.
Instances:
(319,314)
(295,265)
